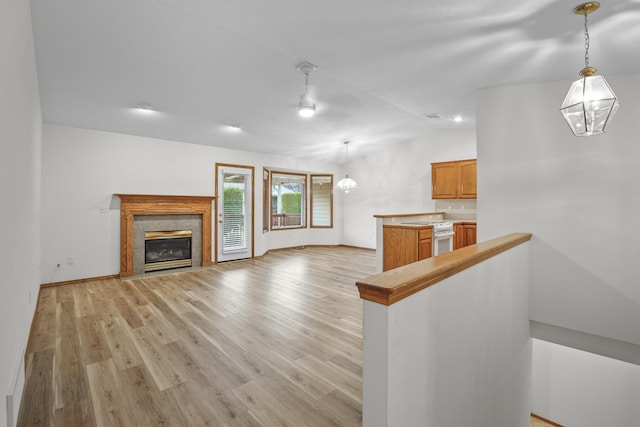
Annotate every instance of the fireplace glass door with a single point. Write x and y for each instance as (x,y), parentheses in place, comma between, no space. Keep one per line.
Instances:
(167,249)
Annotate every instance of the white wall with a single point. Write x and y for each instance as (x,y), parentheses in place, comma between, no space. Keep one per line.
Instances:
(457,353)
(82,169)
(579,197)
(576,388)
(20,136)
(398,180)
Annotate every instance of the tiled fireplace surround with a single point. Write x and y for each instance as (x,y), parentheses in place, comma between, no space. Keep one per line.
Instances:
(140,213)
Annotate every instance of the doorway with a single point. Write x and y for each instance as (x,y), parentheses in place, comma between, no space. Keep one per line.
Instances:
(234,212)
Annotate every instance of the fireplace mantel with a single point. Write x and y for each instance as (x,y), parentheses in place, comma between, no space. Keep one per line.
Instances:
(148,204)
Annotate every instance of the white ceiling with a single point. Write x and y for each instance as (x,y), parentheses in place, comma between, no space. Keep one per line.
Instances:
(382,65)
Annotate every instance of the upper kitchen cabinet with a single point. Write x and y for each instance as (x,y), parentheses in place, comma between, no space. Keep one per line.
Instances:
(444,180)
(468,181)
(454,180)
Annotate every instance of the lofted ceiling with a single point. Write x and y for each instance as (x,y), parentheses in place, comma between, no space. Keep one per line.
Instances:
(383,66)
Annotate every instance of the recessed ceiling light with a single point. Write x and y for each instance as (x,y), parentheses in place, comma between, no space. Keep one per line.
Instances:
(458,119)
(235,128)
(145,108)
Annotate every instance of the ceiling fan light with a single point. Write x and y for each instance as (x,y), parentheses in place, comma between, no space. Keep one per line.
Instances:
(306,108)
(306,111)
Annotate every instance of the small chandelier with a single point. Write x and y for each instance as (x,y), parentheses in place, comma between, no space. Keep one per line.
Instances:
(590,104)
(306,107)
(346,184)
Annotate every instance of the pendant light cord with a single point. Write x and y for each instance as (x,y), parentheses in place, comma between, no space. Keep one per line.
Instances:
(586,42)
(346,152)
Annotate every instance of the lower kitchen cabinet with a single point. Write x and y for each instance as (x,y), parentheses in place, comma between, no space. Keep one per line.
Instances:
(465,234)
(469,234)
(404,245)
(425,246)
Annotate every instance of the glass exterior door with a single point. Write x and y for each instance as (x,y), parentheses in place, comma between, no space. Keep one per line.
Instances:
(234,213)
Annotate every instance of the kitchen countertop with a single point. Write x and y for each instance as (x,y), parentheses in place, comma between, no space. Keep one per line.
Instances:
(408,225)
(427,217)
(408,214)
(428,223)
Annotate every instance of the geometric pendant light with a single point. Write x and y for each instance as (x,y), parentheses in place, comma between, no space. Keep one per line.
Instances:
(590,104)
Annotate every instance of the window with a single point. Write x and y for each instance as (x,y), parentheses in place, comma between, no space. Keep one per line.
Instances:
(266,201)
(288,200)
(321,201)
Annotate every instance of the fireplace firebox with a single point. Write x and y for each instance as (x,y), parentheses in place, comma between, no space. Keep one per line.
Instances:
(165,250)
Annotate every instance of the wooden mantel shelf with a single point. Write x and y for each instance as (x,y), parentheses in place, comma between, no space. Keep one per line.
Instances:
(394,285)
(151,204)
(162,199)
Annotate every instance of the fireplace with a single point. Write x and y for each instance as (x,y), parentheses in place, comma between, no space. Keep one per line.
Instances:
(167,249)
(135,209)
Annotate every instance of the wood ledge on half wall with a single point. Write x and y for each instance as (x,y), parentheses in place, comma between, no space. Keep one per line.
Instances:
(394,285)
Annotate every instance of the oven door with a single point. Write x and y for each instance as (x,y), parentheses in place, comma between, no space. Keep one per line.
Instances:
(442,242)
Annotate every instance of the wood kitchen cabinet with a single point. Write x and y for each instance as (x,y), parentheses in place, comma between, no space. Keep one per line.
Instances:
(404,245)
(467,184)
(454,180)
(469,234)
(458,238)
(465,234)
(444,181)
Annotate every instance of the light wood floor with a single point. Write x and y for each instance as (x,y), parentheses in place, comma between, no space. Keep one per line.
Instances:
(271,341)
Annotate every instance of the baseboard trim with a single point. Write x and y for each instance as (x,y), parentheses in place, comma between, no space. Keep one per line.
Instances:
(85,280)
(117,276)
(312,246)
(546,420)
(358,247)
